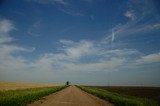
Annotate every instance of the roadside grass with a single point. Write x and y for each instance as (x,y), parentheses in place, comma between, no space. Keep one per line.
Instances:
(23,97)
(119,99)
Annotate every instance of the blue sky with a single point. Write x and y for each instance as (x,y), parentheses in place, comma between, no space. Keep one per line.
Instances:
(95,42)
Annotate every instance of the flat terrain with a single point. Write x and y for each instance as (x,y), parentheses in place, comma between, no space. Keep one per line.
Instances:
(71,96)
(22,85)
(144,92)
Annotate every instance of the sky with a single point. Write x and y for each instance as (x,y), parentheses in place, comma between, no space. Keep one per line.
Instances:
(89,42)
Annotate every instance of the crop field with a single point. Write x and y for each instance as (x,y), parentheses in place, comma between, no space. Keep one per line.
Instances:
(119,99)
(21,85)
(143,92)
(22,97)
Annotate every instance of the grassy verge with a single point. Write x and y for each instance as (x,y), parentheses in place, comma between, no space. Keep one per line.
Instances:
(25,96)
(119,99)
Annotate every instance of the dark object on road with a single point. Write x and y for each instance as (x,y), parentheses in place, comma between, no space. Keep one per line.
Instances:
(67,83)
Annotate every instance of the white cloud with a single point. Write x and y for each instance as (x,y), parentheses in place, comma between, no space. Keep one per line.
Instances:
(8,59)
(154,26)
(130,14)
(111,65)
(69,58)
(157,25)
(66,42)
(121,52)
(9,49)
(5,27)
(4,39)
(73,56)
(83,48)
(113,35)
(148,59)
(81,56)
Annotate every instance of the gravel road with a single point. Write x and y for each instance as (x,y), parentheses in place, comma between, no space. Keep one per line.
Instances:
(71,96)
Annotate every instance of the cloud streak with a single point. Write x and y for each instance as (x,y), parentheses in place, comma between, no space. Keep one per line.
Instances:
(61,2)
(113,35)
(64,6)
(139,20)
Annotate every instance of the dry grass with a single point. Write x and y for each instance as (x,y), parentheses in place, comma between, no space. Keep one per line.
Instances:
(4,86)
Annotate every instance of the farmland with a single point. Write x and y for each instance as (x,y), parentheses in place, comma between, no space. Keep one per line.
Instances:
(21,85)
(143,92)
(20,94)
(119,99)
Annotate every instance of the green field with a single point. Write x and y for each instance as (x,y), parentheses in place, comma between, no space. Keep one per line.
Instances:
(24,96)
(119,99)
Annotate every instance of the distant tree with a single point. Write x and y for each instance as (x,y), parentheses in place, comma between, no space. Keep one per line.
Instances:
(67,83)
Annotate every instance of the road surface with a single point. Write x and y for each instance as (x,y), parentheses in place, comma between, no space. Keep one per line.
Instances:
(71,96)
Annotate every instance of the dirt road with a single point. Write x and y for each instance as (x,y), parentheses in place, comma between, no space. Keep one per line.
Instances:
(71,96)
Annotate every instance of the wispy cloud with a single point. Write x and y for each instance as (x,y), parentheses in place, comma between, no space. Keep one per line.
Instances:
(100,59)
(77,50)
(142,18)
(113,35)
(130,14)
(8,60)
(72,54)
(61,2)
(65,6)
(72,12)
(34,28)
(9,49)
(70,59)
(5,27)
